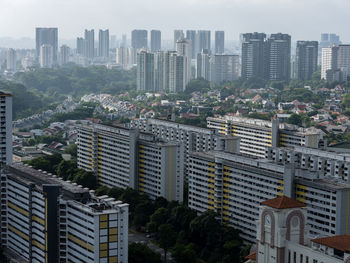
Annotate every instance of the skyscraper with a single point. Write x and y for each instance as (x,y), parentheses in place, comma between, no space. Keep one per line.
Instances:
(278,52)
(90,43)
(11,59)
(219,42)
(103,43)
(47,36)
(253,57)
(336,63)
(81,46)
(192,36)
(224,67)
(125,57)
(139,39)
(145,70)
(156,40)
(113,42)
(64,55)
(344,61)
(183,48)
(204,41)
(6,128)
(329,60)
(306,59)
(124,41)
(176,73)
(203,67)
(46,56)
(329,39)
(178,34)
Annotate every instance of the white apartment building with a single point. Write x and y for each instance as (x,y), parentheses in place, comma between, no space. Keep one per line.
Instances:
(5,128)
(45,219)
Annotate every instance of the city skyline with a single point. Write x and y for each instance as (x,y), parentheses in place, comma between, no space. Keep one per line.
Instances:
(162,15)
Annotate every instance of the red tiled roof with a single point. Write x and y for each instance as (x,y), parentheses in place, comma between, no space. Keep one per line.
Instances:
(341,243)
(283,202)
(251,256)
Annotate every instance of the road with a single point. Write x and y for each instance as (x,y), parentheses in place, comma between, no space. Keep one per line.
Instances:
(136,237)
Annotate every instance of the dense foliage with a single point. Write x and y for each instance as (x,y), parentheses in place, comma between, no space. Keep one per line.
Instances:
(76,80)
(141,253)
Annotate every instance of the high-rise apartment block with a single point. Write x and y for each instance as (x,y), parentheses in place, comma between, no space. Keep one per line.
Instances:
(177,73)
(125,57)
(233,186)
(47,36)
(255,135)
(253,55)
(203,66)
(139,39)
(204,40)
(219,42)
(46,56)
(191,35)
(103,43)
(266,58)
(329,39)
(156,40)
(123,157)
(11,59)
(183,48)
(224,67)
(64,55)
(336,63)
(162,70)
(45,219)
(306,59)
(178,34)
(90,43)
(145,70)
(6,128)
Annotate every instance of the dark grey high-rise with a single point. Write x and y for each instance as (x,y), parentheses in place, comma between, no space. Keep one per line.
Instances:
(278,51)
(139,39)
(103,43)
(253,55)
(156,40)
(192,36)
(47,36)
(306,59)
(90,43)
(203,40)
(219,42)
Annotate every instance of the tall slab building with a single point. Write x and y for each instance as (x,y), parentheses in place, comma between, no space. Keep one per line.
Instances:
(219,42)
(156,40)
(306,59)
(47,36)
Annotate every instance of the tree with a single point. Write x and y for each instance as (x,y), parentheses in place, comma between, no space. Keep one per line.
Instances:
(166,237)
(159,217)
(140,253)
(295,119)
(184,253)
(66,169)
(72,150)
(86,179)
(143,211)
(346,100)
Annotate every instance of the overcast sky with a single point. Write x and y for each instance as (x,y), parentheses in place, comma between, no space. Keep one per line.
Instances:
(303,19)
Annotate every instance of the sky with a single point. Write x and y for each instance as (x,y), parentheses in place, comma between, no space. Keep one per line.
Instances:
(302,19)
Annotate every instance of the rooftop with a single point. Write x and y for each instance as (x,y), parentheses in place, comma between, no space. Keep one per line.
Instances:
(283,202)
(341,243)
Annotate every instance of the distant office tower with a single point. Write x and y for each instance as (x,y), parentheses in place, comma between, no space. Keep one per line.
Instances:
(224,67)
(124,41)
(145,70)
(6,128)
(47,219)
(125,57)
(90,43)
(336,63)
(329,39)
(278,54)
(81,46)
(11,59)
(176,73)
(139,39)
(113,42)
(46,56)
(183,48)
(178,34)
(219,42)
(203,66)
(47,36)
(253,55)
(192,36)
(64,55)
(329,60)
(306,59)
(103,43)
(156,40)
(162,70)
(204,41)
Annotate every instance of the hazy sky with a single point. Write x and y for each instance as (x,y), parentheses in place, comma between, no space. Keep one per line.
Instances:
(303,19)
